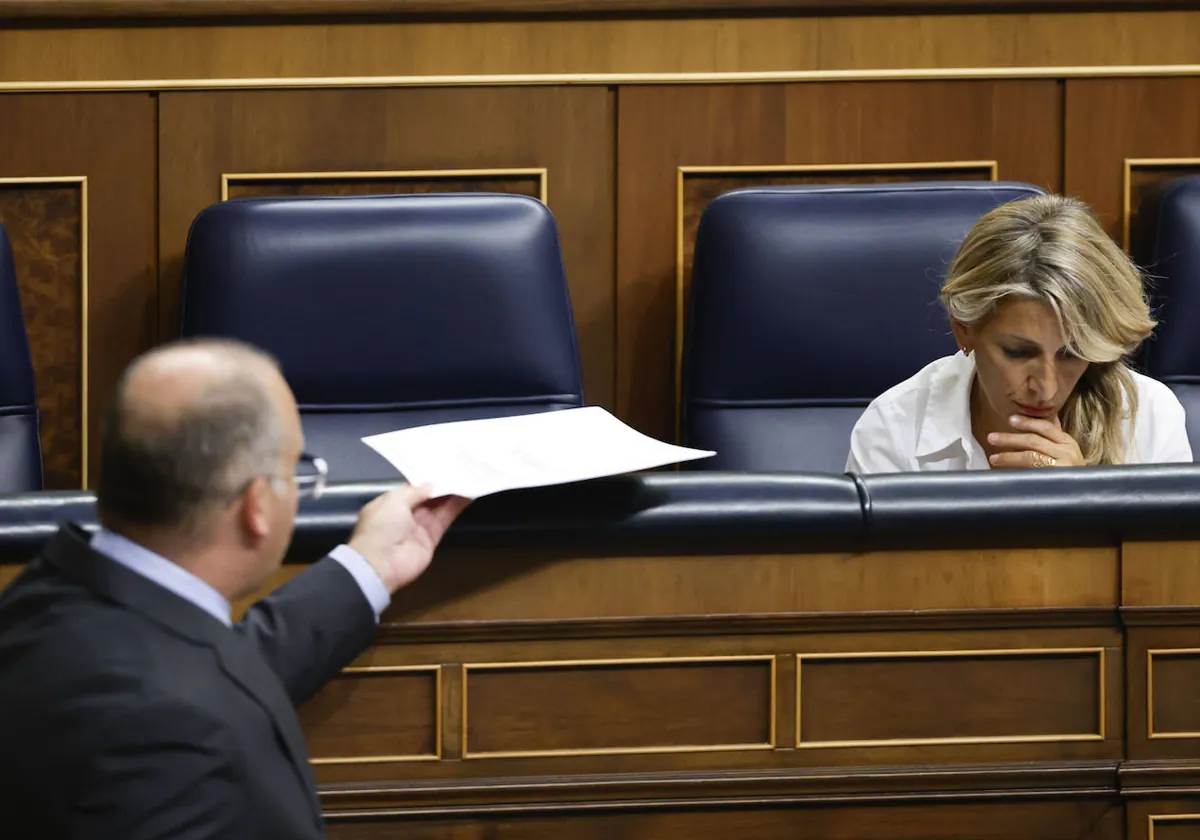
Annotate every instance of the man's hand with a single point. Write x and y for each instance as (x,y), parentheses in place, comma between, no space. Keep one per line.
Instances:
(398,532)
(1035,441)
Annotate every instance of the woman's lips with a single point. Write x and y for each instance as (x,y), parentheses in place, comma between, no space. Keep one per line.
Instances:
(1036,410)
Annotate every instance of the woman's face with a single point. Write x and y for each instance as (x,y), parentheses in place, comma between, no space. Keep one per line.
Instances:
(1021,364)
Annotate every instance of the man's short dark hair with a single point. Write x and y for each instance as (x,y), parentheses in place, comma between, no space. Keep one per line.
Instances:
(167,471)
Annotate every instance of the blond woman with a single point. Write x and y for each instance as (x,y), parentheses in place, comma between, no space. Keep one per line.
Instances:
(1046,309)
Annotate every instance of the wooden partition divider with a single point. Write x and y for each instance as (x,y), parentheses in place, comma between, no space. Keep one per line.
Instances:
(1041,692)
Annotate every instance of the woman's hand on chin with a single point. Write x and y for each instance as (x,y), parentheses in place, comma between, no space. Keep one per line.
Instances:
(1035,443)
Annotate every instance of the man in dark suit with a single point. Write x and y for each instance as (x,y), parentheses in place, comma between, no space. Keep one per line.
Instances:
(131,706)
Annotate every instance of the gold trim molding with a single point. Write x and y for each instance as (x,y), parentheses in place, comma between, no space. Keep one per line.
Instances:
(1162,653)
(603,79)
(606,663)
(82,182)
(1099,652)
(383,670)
(541,173)
(1127,185)
(991,167)
(1156,818)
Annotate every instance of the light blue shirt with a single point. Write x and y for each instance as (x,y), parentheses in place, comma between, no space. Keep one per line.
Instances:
(181,582)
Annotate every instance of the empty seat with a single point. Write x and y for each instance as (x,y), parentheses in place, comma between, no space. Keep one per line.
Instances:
(1166,242)
(387,312)
(807,303)
(20,443)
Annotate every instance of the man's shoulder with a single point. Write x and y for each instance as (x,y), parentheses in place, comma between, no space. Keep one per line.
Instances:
(59,642)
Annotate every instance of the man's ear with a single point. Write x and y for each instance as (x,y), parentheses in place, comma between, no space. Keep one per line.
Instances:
(964,335)
(255,507)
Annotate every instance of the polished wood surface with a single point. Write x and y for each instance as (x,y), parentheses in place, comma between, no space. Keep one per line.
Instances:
(59,141)
(1107,158)
(1077,817)
(932,697)
(983,693)
(80,10)
(409,730)
(619,707)
(423,52)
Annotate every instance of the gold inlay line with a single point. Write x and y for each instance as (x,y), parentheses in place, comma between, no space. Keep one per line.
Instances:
(1127,186)
(604,663)
(375,670)
(1163,653)
(1099,652)
(530,79)
(1153,818)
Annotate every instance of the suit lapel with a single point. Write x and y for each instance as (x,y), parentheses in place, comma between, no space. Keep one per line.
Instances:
(242,664)
(70,552)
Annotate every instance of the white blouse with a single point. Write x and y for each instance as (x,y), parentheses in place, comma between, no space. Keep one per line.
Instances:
(924,424)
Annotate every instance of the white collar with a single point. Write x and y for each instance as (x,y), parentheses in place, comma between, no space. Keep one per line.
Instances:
(947,418)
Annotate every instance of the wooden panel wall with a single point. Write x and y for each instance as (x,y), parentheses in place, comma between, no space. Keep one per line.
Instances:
(1124,134)
(77,197)
(791,42)
(627,171)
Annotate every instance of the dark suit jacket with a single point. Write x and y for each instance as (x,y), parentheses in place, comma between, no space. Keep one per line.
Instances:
(128,713)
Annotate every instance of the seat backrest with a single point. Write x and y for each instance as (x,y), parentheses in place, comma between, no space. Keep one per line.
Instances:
(1165,241)
(807,303)
(387,312)
(20,442)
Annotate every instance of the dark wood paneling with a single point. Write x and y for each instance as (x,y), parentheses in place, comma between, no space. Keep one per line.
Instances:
(252,188)
(1169,688)
(1175,827)
(374,714)
(109,138)
(1163,819)
(1111,120)
(1176,703)
(1017,124)
(44,223)
(1087,819)
(618,707)
(568,131)
(932,697)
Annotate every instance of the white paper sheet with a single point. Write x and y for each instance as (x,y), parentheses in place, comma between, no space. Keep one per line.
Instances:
(474,458)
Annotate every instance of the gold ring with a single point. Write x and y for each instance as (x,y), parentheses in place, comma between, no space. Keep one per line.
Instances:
(1040,460)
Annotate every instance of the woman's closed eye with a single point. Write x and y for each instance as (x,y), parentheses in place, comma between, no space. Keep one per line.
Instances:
(1019,352)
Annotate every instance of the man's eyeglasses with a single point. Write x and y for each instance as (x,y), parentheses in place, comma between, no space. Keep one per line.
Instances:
(310,476)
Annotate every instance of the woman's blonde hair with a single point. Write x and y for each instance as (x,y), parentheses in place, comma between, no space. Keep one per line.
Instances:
(1052,249)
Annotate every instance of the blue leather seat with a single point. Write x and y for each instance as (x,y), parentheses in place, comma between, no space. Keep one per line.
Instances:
(20,442)
(387,312)
(807,303)
(1166,242)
